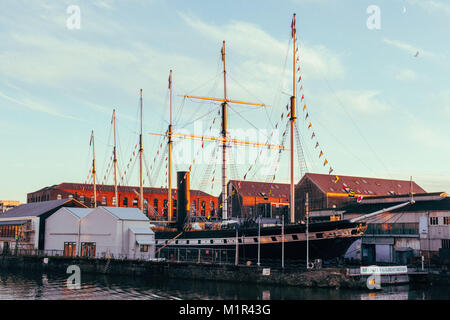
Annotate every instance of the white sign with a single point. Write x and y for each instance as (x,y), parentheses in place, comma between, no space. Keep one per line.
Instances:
(423,225)
(383,270)
(266,272)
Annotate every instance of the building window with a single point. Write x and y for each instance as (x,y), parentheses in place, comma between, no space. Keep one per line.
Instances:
(125,202)
(155,205)
(445,243)
(88,249)
(70,249)
(165,205)
(114,201)
(135,202)
(70,196)
(203,205)
(447,220)
(82,199)
(58,197)
(143,248)
(104,201)
(434,221)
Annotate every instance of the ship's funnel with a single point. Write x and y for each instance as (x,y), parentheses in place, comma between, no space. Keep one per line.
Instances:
(183,198)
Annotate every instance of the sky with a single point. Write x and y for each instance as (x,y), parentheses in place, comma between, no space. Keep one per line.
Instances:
(374,80)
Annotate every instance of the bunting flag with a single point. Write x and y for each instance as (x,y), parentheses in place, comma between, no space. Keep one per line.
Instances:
(304,107)
(287,107)
(303,97)
(282,115)
(307,115)
(317,144)
(298,69)
(321,153)
(301,88)
(309,126)
(313,135)
(325,162)
(287,116)
(245,176)
(360,197)
(299,78)
(330,171)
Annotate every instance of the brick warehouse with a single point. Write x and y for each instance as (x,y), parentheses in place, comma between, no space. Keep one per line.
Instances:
(155,199)
(325,192)
(252,198)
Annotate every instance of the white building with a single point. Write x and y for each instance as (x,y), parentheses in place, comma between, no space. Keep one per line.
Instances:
(101,232)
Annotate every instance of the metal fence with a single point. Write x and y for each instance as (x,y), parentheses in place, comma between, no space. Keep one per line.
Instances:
(393,228)
(199,255)
(35,252)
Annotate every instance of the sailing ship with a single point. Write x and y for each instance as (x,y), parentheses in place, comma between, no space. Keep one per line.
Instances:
(250,241)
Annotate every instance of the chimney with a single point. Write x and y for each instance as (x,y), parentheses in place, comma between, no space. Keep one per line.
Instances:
(183,199)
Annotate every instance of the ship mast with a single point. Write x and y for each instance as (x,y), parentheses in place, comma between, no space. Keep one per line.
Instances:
(141,193)
(224,143)
(115,160)
(292,120)
(169,216)
(224,139)
(93,169)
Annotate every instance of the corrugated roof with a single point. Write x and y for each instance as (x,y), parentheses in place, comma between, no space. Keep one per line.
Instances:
(35,209)
(105,187)
(261,189)
(142,231)
(362,185)
(126,213)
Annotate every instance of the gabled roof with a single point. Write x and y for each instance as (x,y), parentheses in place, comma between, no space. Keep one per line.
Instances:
(35,209)
(125,213)
(362,185)
(106,187)
(79,212)
(260,189)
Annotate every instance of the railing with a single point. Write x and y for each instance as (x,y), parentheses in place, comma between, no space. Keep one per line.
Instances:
(392,228)
(34,252)
(199,255)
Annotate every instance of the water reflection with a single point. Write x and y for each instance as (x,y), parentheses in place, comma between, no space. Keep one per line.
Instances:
(29,285)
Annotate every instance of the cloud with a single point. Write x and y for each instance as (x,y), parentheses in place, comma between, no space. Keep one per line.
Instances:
(361,101)
(252,42)
(412,50)
(36,106)
(406,75)
(432,6)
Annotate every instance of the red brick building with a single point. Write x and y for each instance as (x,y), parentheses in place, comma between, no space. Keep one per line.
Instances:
(252,198)
(155,199)
(328,191)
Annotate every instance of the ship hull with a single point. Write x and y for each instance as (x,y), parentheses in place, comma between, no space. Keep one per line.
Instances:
(327,241)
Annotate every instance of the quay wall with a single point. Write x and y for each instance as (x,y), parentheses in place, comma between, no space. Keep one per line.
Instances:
(322,278)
